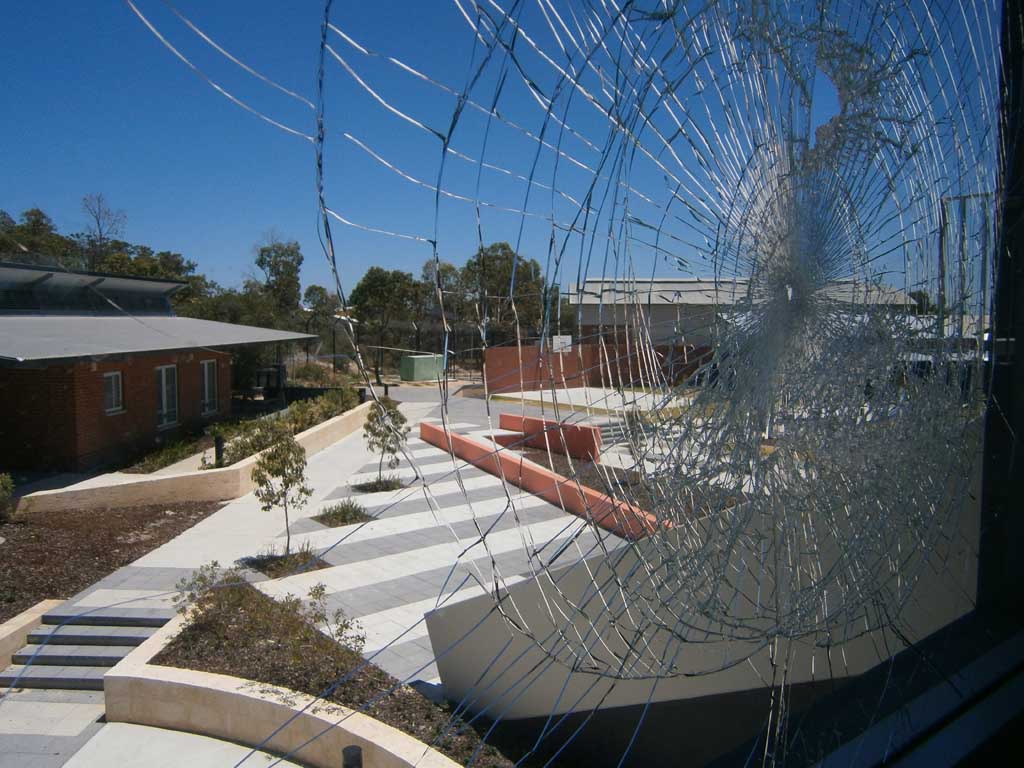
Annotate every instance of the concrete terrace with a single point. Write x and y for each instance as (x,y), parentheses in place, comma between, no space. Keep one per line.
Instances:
(451,537)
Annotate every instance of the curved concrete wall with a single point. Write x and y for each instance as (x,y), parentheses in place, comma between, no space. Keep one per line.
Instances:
(239,710)
(203,485)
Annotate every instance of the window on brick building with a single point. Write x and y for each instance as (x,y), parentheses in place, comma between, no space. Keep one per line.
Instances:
(167,395)
(113,399)
(209,383)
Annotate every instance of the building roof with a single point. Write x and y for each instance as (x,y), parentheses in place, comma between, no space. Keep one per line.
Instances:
(708,292)
(34,337)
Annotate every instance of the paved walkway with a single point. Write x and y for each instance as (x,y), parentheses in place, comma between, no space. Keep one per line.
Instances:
(454,537)
(120,745)
(41,729)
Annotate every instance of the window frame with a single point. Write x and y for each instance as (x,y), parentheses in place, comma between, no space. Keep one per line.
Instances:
(207,406)
(161,410)
(118,407)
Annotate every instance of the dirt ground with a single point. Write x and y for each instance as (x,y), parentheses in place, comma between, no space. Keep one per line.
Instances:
(51,555)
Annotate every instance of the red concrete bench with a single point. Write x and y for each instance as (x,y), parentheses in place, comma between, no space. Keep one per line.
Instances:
(616,516)
(578,441)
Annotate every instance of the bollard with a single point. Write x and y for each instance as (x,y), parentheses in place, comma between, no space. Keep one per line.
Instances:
(218,450)
(352,757)
(385,389)
(362,395)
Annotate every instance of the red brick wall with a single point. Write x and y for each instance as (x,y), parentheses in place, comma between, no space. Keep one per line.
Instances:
(65,420)
(37,419)
(589,365)
(509,369)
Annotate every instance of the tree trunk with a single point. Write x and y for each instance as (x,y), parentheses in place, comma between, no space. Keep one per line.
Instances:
(287,531)
(379,357)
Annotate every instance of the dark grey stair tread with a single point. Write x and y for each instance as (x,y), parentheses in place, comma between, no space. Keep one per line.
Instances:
(73,655)
(121,617)
(71,634)
(73,678)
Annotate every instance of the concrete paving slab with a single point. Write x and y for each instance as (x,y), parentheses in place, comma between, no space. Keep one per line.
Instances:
(139,746)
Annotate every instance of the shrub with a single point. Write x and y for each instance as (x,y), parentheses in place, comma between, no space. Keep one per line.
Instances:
(313,372)
(246,438)
(166,455)
(212,596)
(345,512)
(383,483)
(6,496)
(276,565)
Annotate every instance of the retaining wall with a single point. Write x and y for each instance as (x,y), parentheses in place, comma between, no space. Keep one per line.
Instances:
(252,714)
(14,631)
(202,485)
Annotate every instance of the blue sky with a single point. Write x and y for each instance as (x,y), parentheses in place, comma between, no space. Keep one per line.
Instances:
(94,103)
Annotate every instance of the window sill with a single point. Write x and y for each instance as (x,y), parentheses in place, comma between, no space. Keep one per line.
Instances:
(116,412)
(168,425)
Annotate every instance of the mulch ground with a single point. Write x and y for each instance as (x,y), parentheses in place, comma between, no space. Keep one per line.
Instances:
(243,633)
(58,554)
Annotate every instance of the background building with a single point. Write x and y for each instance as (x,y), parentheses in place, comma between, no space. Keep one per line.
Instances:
(94,367)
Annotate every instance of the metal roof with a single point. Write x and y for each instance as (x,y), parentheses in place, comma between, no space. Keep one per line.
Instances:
(707,292)
(14,276)
(36,337)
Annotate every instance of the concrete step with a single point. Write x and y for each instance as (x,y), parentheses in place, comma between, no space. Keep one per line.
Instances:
(106,617)
(68,678)
(71,634)
(71,655)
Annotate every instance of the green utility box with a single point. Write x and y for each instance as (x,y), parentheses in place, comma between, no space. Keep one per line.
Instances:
(422,367)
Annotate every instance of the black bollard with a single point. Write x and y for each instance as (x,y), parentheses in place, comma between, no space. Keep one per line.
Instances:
(352,757)
(362,395)
(385,389)
(218,450)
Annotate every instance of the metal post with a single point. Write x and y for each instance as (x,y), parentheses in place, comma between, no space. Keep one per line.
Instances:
(218,450)
(1002,531)
(941,300)
(362,395)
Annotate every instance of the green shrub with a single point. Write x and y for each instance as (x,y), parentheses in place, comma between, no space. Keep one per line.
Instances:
(312,372)
(213,596)
(166,455)
(6,496)
(248,437)
(345,512)
(382,483)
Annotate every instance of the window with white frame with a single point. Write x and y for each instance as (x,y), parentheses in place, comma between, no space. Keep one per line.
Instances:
(167,395)
(209,384)
(113,395)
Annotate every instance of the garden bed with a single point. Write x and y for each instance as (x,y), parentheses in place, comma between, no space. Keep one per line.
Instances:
(276,566)
(59,553)
(239,631)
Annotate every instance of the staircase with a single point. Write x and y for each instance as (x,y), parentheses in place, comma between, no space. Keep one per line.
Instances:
(73,651)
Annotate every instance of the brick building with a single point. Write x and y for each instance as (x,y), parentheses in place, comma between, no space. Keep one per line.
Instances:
(95,368)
